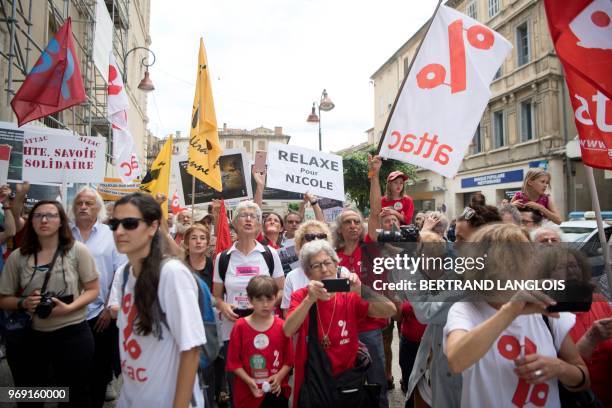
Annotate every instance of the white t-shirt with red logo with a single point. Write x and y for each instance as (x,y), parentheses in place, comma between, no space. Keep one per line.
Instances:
(240,270)
(491,382)
(150,365)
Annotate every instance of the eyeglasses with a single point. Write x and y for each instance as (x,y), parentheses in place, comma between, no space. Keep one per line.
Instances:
(348,221)
(85,203)
(48,216)
(246,216)
(319,265)
(312,237)
(129,223)
(468,213)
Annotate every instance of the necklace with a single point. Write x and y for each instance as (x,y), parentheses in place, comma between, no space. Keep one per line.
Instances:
(325,342)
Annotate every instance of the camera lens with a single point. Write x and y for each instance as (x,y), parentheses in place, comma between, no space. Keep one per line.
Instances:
(44,308)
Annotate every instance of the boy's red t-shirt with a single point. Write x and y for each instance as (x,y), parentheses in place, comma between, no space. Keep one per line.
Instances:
(260,354)
(403,205)
(412,329)
(343,332)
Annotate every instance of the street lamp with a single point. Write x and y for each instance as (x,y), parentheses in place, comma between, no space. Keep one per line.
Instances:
(145,84)
(325,105)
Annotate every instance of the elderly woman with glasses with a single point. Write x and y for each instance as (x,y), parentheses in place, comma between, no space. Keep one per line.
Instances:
(296,279)
(330,321)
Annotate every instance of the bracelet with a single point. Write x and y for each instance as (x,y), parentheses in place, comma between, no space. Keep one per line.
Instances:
(582,381)
(315,202)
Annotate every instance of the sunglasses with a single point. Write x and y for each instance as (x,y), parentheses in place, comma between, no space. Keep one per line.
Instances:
(312,237)
(129,223)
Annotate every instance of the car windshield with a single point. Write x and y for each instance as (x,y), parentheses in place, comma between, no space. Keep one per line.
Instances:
(576,234)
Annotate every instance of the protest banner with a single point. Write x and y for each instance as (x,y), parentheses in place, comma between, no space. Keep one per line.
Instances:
(331,208)
(45,155)
(5,156)
(300,170)
(441,100)
(113,188)
(233,165)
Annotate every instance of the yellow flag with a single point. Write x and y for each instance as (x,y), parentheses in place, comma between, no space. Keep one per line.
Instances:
(157,179)
(204,147)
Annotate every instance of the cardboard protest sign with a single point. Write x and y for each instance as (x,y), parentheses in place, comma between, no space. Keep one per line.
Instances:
(331,208)
(5,156)
(45,155)
(113,189)
(235,179)
(293,168)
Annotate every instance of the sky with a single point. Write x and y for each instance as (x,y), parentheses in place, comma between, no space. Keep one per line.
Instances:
(271,59)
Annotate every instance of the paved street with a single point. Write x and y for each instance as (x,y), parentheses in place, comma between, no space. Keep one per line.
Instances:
(396,399)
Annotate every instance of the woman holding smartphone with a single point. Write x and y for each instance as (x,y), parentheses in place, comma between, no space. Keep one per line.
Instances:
(160,326)
(51,278)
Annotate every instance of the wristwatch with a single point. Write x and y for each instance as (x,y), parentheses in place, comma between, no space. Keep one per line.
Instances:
(315,202)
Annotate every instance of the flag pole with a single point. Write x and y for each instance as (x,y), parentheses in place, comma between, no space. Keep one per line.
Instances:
(399,92)
(600,228)
(192,198)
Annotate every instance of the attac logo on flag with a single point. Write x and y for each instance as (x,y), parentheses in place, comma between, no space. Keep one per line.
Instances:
(204,148)
(123,142)
(582,34)
(445,93)
(54,84)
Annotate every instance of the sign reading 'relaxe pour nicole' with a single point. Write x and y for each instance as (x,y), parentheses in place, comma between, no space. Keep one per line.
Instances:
(301,170)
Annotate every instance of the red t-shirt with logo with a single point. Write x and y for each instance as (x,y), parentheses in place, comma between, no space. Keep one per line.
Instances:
(341,321)
(260,354)
(412,329)
(600,363)
(352,262)
(403,205)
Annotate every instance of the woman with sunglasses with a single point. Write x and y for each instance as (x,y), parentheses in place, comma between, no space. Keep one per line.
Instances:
(52,278)
(160,327)
(296,279)
(332,319)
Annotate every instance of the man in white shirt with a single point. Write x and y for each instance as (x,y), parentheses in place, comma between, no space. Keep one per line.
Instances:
(88,212)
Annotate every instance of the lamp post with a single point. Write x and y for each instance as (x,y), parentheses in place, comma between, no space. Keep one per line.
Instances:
(325,105)
(145,84)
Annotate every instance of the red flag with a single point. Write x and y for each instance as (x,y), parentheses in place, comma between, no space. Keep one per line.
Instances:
(224,240)
(175,204)
(582,34)
(55,82)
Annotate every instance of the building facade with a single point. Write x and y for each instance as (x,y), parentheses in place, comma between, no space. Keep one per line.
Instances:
(527,123)
(28,26)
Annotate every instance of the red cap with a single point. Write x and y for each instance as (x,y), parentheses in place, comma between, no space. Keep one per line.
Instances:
(395,174)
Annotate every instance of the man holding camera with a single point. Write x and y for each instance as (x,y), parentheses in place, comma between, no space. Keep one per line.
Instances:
(89,212)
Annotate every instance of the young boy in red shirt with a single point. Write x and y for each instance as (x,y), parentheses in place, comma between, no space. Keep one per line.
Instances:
(259,353)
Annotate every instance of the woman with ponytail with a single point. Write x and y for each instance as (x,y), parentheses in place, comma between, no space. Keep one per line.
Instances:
(160,326)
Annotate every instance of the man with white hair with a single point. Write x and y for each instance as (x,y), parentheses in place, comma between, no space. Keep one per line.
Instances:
(546,234)
(183,221)
(89,213)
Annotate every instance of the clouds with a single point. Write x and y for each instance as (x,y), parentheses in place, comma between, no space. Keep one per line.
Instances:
(270,59)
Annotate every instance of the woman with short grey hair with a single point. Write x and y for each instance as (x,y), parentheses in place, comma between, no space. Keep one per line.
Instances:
(247,205)
(330,321)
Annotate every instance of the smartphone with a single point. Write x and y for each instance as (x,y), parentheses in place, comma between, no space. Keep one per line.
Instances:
(337,285)
(576,297)
(260,161)
(243,312)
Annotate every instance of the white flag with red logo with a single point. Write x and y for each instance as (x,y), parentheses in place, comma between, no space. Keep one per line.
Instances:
(445,93)
(582,33)
(126,160)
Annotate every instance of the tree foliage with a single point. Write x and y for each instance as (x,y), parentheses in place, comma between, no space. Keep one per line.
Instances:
(356,182)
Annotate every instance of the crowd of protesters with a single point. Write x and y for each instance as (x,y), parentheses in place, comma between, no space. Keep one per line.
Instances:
(111,291)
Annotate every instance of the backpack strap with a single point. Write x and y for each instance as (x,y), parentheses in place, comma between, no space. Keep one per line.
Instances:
(267,255)
(224,259)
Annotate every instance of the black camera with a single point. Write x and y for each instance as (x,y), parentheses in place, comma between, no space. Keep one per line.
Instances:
(46,305)
(405,233)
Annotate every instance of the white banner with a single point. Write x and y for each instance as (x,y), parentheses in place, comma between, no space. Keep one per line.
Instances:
(445,93)
(45,155)
(5,156)
(300,170)
(103,39)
